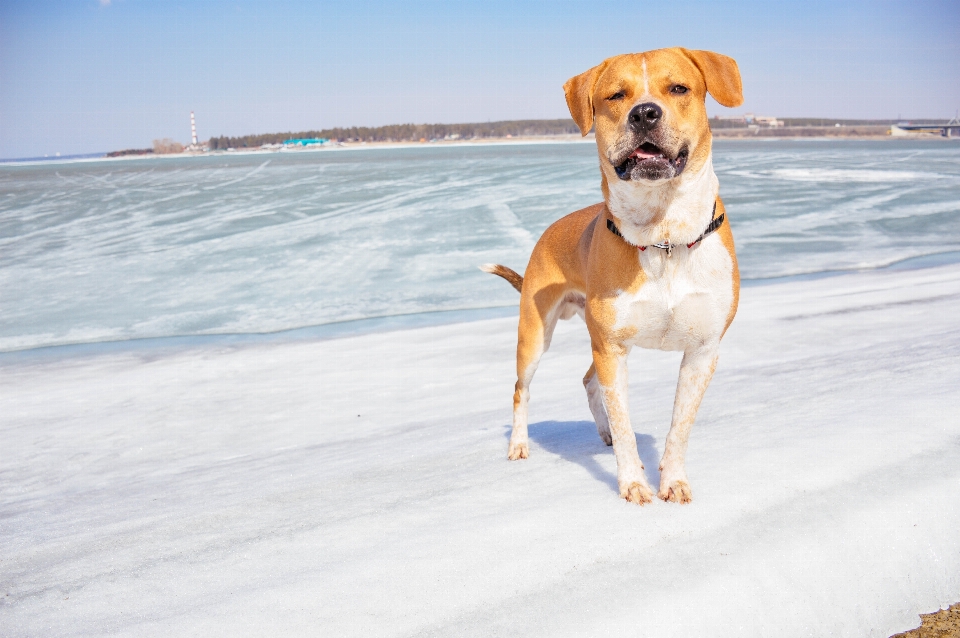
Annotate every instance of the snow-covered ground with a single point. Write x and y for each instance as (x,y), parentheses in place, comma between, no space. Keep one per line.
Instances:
(360,487)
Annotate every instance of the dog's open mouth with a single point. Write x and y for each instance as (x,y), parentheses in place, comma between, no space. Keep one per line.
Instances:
(649,161)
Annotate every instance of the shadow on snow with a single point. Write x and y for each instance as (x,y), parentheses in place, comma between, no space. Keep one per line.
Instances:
(578,442)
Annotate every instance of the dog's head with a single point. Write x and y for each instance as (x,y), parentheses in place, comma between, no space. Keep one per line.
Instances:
(648,110)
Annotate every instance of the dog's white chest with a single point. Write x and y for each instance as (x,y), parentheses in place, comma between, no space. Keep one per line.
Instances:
(685,300)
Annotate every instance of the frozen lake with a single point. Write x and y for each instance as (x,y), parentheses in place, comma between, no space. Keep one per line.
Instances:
(116,250)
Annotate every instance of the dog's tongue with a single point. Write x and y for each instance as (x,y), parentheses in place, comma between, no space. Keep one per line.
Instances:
(642,154)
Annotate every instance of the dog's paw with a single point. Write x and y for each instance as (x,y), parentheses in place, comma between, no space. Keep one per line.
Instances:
(675,492)
(518,451)
(637,493)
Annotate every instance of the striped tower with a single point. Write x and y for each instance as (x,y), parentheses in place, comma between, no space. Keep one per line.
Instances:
(193,130)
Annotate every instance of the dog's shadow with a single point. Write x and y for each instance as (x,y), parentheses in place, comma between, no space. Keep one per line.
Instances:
(578,442)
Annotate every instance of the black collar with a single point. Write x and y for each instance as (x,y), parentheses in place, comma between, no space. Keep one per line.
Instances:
(667,246)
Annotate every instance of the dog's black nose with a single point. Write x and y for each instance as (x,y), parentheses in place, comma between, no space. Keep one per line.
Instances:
(645,116)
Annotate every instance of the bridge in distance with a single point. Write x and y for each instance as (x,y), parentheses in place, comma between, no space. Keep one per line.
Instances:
(950,129)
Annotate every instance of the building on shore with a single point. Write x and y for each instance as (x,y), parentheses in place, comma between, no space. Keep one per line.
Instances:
(306,141)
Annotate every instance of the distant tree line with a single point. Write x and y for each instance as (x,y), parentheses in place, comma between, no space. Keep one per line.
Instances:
(160,147)
(430,132)
(408,133)
(130,151)
(166,145)
(480,130)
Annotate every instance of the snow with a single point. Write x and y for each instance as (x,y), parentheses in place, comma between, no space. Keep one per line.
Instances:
(359,486)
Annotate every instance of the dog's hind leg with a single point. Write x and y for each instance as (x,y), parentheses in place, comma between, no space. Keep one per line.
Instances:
(595,400)
(538,317)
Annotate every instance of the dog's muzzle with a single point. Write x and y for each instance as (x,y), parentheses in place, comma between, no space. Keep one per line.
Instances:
(647,160)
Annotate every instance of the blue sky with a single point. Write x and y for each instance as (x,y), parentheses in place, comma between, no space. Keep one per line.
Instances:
(86,75)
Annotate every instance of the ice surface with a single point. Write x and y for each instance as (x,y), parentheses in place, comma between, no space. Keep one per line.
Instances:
(115,250)
(359,486)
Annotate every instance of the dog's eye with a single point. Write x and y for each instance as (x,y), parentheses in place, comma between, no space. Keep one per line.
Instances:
(678,89)
(616,96)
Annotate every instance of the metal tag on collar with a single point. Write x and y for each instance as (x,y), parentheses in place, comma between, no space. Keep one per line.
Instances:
(665,245)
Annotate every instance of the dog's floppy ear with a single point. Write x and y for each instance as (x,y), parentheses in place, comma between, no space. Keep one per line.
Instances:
(721,74)
(579,92)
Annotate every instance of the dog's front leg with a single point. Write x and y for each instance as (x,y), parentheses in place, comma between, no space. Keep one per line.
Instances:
(696,370)
(611,363)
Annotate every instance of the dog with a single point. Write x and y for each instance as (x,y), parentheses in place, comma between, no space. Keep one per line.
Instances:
(653,265)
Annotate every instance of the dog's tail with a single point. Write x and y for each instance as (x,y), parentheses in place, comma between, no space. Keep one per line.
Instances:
(496,269)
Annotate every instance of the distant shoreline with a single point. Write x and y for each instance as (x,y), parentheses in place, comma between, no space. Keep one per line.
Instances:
(810,133)
(327,148)
(862,131)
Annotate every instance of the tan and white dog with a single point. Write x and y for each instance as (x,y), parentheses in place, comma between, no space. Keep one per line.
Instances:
(653,265)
